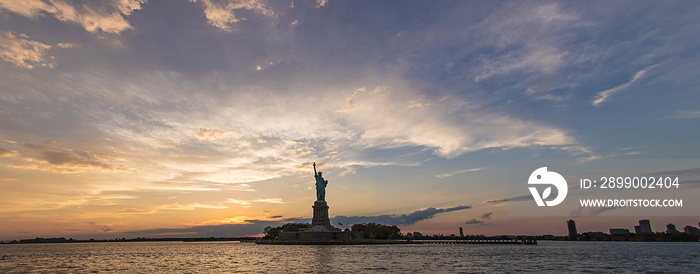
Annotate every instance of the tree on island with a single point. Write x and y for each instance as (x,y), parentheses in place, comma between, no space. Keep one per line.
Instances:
(378,231)
(273,232)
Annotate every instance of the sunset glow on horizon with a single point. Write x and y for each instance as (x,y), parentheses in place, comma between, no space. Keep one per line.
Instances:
(202,118)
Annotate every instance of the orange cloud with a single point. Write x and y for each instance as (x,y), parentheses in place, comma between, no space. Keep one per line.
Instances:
(108,18)
(207,134)
(4,152)
(23,52)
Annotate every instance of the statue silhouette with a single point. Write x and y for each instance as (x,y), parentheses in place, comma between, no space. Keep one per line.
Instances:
(320,185)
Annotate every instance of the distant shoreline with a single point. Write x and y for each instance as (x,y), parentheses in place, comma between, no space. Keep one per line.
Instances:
(586,237)
(124,240)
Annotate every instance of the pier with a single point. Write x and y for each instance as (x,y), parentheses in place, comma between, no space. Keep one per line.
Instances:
(375,242)
(480,241)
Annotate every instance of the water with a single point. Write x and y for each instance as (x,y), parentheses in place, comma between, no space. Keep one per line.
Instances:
(232,257)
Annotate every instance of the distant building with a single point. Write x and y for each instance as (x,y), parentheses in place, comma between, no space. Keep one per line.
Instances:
(619,231)
(548,237)
(671,229)
(461,232)
(572,229)
(637,229)
(692,230)
(417,234)
(645,226)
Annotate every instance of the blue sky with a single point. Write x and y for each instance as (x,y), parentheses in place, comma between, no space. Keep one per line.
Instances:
(131,117)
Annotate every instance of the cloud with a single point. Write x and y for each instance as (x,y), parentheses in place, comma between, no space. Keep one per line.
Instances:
(109,17)
(79,159)
(525,197)
(192,206)
(102,228)
(247,203)
(67,160)
(269,200)
(531,46)
(252,123)
(685,114)
(4,152)
(206,134)
(403,219)
(474,222)
(603,95)
(320,3)
(221,13)
(28,8)
(451,127)
(449,174)
(23,52)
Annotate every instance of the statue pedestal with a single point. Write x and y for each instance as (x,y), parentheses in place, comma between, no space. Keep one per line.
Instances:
(320,230)
(321,215)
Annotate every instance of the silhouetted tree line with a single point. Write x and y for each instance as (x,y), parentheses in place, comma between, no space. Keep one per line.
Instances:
(378,231)
(273,232)
(371,230)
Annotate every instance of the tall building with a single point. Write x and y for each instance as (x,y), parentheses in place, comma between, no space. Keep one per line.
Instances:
(461,232)
(671,229)
(645,226)
(572,229)
(637,229)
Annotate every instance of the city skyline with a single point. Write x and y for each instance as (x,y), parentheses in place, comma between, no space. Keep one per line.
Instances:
(134,118)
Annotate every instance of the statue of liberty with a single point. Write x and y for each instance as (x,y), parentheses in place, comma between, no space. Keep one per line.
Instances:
(320,186)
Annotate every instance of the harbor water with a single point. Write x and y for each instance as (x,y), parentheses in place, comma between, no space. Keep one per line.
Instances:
(235,257)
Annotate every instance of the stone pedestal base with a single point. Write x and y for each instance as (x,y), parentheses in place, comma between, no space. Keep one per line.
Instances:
(321,215)
(321,229)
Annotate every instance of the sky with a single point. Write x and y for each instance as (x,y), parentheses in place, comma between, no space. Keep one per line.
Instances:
(199,118)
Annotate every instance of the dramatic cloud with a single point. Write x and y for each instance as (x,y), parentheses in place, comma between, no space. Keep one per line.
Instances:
(202,107)
(603,95)
(403,219)
(108,18)
(486,216)
(23,52)
(452,127)
(221,13)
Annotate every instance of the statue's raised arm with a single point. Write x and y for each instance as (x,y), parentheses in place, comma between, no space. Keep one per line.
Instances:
(315,174)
